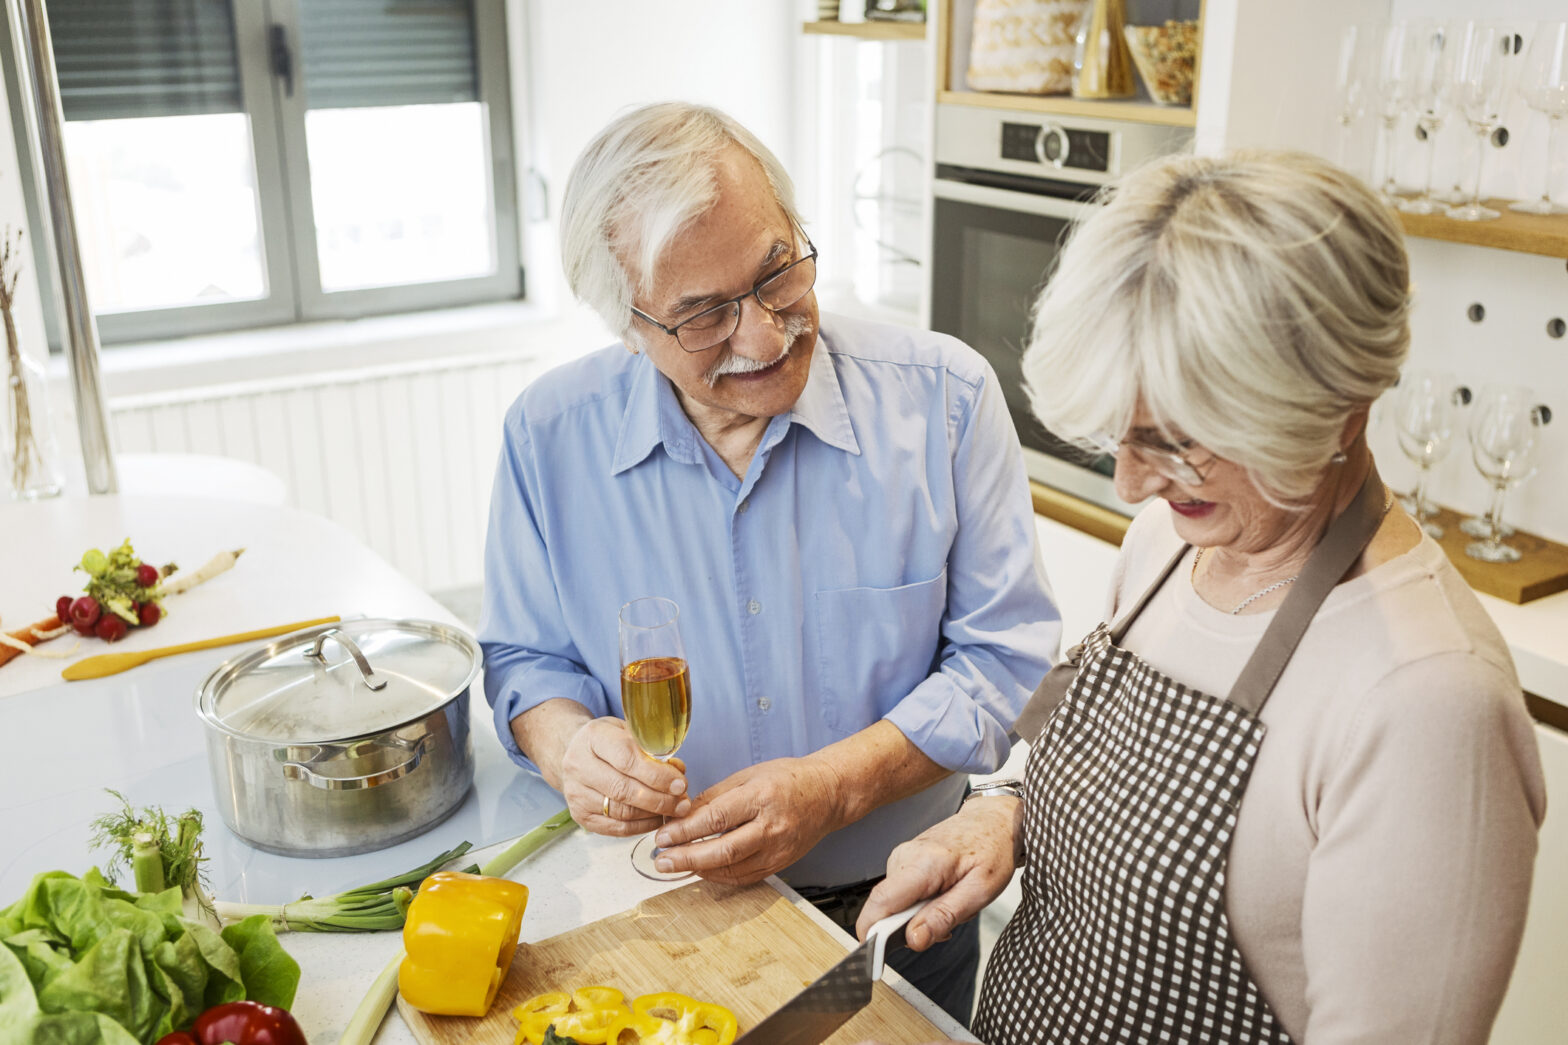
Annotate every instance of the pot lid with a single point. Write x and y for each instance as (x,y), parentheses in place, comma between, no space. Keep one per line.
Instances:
(343,681)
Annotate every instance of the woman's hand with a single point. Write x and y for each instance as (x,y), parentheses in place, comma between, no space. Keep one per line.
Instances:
(963,863)
(612,788)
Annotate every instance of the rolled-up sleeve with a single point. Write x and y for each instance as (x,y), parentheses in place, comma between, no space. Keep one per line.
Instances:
(1001,629)
(529,654)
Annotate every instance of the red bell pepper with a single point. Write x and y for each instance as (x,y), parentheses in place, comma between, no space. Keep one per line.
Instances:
(240,1023)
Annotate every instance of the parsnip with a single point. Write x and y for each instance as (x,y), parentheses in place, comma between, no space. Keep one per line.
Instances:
(182,582)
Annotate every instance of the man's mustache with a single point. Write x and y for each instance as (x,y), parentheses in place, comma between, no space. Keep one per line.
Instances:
(796,326)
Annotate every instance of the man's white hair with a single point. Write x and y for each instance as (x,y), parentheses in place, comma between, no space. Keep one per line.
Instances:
(636,186)
(1252,302)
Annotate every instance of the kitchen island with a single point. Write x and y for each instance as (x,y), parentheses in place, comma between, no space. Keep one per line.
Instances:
(138,732)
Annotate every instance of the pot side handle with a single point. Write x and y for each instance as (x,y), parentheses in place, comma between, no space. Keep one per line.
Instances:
(415,753)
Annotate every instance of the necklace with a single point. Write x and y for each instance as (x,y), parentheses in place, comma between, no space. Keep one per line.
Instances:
(1388,502)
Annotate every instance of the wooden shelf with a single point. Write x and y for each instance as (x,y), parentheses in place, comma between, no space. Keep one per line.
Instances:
(1137,112)
(1082,515)
(1528,233)
(868,30)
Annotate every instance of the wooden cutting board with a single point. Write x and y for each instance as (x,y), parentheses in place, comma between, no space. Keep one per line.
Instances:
(747,949)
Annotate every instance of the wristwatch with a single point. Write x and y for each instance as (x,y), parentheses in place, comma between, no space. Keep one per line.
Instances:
(992,788)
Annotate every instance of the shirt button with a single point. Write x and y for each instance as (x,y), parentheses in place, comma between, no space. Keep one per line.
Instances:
(763,703)
(741,508)
(753,607)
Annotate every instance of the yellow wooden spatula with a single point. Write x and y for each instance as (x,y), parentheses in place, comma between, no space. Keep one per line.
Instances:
(99,665)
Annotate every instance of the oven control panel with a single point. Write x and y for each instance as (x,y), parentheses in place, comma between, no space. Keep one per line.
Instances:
(1057,145)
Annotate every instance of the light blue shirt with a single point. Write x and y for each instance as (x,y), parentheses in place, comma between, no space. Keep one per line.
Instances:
(877,561)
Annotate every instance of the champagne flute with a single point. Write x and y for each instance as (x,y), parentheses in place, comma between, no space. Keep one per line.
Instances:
(1392,81)
(1505,438)
(1481,93)
(1350,84)
(655,698)
(1431,72)
(1425,408)
(1544,87)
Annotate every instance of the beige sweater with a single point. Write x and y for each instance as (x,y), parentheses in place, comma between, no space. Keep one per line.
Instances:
(1381,865)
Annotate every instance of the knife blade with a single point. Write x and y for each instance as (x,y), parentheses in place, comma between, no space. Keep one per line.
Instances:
(828,1002)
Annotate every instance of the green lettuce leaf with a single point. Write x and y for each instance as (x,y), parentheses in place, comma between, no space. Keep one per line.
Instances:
(270,975)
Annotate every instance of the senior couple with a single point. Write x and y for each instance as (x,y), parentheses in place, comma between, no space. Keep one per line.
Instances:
(1288,791)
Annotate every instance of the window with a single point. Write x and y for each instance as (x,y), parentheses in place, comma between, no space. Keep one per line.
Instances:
(235,163)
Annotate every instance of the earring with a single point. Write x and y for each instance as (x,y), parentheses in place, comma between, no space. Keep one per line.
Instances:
(1338,458)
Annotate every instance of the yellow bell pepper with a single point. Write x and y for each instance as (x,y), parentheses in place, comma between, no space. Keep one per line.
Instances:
(668,1018)
(585,1015)
(460,935)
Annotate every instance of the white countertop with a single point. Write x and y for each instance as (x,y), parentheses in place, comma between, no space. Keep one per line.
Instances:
(1080,567)
(138,733)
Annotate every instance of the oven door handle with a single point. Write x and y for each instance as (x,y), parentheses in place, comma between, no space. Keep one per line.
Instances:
(1006,199)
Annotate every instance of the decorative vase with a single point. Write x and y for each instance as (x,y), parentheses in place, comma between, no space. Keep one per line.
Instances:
(27,453)
(1102,66)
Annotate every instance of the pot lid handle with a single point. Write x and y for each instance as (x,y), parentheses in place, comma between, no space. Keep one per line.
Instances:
(372,680)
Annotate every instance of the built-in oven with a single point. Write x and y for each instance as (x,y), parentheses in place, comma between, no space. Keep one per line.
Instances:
(1008,187)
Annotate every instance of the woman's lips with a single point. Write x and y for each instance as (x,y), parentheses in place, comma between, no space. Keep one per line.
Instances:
(1192,509)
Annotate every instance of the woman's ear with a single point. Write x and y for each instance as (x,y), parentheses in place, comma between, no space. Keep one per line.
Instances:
(1355,427)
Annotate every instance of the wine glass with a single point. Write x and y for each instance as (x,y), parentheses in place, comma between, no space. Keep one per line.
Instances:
(1431,60)
(1505,437)
(655,698)
(1392,82)
(1425,408)
(1481,93)
(1544,86)
(1350,84)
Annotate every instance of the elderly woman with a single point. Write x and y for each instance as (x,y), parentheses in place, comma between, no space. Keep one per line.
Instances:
(1292,792)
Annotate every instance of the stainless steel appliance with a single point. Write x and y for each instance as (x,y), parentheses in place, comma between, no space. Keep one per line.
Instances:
(1008,186)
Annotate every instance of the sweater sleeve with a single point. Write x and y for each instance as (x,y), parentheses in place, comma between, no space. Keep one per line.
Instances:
(1425,821)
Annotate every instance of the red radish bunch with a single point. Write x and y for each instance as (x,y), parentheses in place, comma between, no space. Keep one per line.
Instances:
(122,593)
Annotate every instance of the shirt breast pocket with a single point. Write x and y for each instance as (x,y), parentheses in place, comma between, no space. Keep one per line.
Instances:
(874,646)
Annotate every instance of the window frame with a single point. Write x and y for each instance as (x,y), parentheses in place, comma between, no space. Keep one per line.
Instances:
(284,199)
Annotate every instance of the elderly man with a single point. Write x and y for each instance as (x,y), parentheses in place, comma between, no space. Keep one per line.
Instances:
(839,510)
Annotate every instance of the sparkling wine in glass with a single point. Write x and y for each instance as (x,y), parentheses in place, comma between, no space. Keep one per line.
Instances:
(1426,407)
(655,698)
(1543,85)
(1481,94)
(1505,441)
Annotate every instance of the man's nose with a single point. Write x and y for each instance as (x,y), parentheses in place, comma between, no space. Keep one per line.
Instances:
(1135,480)
(759,332)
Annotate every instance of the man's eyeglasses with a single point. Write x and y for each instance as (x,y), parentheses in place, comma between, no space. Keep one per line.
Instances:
(714,325)
(1169,461)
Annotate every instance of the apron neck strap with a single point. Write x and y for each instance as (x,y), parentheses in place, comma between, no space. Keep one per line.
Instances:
(1119,629)
(1347,537)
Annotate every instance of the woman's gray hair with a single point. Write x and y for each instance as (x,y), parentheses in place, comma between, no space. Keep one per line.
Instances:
(643,179)
(1251,302)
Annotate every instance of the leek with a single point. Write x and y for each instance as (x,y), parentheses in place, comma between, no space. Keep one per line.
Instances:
(372,1008)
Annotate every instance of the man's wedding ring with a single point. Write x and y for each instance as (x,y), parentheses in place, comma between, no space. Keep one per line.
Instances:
(604,807)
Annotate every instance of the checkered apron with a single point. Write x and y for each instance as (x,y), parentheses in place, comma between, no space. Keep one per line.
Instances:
(1133,787)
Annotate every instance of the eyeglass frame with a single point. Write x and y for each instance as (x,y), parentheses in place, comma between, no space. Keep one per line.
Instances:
(1169,461)
(810,255)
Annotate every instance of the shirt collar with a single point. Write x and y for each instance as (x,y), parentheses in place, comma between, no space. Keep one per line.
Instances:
(654,415)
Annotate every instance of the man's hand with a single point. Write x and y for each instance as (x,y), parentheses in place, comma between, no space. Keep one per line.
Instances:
(964,863)
(603,761)
(766,817)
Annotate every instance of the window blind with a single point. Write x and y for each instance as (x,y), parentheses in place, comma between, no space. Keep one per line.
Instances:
(125,58)
(359,53)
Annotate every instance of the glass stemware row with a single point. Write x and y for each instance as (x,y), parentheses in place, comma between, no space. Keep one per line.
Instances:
(1505,439)
(1443,72)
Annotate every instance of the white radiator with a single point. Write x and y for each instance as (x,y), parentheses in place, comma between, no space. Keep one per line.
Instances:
(401,456)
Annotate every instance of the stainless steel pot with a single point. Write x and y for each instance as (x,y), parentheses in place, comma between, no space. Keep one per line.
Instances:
(342,739)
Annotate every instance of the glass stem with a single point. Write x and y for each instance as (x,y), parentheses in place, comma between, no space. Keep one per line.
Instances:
(1494,514)
(1420,494)
(1389,184)
(1553,122)
(1480,161)
(1431,162)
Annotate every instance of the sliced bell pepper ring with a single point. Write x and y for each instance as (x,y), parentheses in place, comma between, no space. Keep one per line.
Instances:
(460,935)
(584,1016)
(668,1018)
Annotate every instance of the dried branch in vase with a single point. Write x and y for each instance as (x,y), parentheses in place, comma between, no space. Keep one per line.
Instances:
(28,464)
